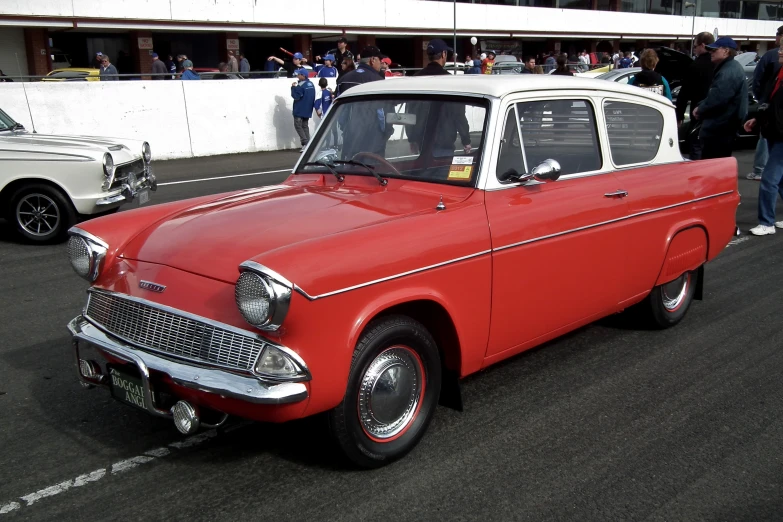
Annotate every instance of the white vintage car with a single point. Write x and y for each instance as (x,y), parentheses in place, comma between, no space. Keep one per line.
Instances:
(47,183)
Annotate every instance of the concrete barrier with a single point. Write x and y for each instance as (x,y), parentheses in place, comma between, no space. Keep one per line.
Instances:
(179,119)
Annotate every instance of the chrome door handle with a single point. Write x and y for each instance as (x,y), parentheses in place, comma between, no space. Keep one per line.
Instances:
(616,194)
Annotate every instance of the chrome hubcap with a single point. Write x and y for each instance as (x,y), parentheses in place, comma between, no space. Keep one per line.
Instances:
(390,392)
(37,214)
(674,293)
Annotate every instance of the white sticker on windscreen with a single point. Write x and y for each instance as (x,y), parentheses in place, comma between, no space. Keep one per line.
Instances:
(462,160)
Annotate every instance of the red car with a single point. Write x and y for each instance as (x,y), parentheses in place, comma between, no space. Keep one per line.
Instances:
(433,227)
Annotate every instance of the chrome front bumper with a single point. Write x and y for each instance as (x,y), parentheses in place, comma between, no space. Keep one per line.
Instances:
(207,380)
(128,193)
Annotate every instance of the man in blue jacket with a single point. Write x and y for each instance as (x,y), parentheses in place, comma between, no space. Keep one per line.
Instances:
(766,68)
(726,105)
(303,93)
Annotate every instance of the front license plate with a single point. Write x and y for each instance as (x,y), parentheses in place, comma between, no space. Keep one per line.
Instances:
(126,388)
(144,196)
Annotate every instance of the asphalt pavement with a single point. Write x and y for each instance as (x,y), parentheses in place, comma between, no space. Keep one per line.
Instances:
(611,422)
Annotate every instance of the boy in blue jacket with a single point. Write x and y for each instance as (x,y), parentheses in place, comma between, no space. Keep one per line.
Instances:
(327,70)
(303,93)
(322,105)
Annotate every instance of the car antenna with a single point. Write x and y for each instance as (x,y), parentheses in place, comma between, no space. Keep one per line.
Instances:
(441,205)
(25,92)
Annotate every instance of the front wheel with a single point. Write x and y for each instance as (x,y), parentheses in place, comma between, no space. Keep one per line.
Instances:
(669,302)
(393,390)
(41,213)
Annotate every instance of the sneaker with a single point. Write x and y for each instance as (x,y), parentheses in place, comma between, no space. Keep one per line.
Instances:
(779,224)
(763,230)
(753,176)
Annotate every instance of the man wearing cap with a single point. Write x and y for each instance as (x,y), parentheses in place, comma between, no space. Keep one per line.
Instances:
(368,70)
(303,93)
(327,70)
(159,68)
(187,71)
(726,105)
(296,63)
(339,54)
(437,53)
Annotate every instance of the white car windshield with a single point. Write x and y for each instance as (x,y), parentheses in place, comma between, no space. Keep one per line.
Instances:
(6,122)
(426,138)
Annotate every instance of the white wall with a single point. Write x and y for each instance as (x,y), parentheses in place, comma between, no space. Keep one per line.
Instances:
(179,119)
(400,16)
(13,57)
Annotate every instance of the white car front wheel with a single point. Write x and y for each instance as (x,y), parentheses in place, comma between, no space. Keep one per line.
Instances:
(41,213)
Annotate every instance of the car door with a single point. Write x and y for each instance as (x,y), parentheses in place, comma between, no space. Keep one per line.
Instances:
(556,247)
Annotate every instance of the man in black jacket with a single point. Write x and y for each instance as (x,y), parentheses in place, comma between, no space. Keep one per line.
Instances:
(339,54)
(726,105)
(695,86)
(766,68)
(771,123)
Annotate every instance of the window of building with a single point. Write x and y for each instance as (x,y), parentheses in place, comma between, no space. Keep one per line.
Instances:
(562,130)
(634,132)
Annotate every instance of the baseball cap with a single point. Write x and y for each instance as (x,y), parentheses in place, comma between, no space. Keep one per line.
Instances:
(154,55)
(438,46)
(371,51)
(491,52)
(298,56)
(329,57)
(387,61)
(304,72)
(187,63)
(723,41)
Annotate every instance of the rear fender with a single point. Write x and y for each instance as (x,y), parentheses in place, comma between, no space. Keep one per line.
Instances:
(686,251)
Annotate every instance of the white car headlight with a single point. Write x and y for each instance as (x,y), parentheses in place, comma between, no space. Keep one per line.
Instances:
(86,253)
(108,170)
(262,296)
(146,152)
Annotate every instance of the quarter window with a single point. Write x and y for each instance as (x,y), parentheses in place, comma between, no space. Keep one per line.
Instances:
(634,132)
(562,130)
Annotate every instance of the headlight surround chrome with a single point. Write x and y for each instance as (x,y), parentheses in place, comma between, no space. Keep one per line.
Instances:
(86,253)
(146,153)
(262,296)
(109,170)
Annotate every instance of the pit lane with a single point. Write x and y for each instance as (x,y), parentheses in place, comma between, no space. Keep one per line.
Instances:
(609,422)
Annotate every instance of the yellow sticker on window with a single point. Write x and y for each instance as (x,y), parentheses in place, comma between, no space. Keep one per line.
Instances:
(460,172)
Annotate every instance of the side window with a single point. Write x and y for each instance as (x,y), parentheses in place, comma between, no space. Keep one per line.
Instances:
(634,132)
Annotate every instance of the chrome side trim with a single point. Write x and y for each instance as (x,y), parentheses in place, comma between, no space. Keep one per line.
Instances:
(77,157)
(624,218)
(202,379)
(86,235)
(389,278)
(262,270)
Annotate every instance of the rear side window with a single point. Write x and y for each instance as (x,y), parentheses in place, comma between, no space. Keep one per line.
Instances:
(634,132)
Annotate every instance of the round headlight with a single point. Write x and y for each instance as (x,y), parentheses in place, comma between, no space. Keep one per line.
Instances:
(79,255)
(255,299)
(108,171)
(146,152)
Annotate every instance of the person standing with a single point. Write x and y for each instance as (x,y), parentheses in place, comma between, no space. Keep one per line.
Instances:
(159,68)
(339,54)
(726,105)
(108,71)
(187,71)
(550,63)
(303,93)
(233,66)
(437,53)
(770,121)
(766,68)
(648,78)
(296,63)
(327,70)
(368,70)
(695,86)
(488,62)
(244,65)
(172,68)
(562,66)
(530,65)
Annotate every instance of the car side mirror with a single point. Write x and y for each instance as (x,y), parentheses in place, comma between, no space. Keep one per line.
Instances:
(548,169)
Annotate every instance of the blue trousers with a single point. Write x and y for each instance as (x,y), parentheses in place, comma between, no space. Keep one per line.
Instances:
(762,154)
(771,183)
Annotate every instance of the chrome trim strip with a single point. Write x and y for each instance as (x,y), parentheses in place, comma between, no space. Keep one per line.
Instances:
(281,289)
(262,270)
(76,231)
(630,216)
(216,324)
(197,378)
(389,278)
(77,157)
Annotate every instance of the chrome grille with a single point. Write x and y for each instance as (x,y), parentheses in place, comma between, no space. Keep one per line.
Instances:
(122,171)
(160,330)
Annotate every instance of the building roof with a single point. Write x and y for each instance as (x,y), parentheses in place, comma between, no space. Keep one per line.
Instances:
(497,85)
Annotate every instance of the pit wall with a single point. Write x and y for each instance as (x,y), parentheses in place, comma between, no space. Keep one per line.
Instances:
(180,119)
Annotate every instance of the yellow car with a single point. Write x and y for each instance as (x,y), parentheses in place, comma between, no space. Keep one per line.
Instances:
(73,74)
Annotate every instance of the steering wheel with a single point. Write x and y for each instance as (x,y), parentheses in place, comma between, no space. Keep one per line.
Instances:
(378,158)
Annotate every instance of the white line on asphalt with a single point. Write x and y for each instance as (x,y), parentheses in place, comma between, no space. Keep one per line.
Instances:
(115,468)
(738,240)
(223,177)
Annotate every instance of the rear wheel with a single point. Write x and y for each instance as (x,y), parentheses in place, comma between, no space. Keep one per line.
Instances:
(392,392)
(669,302)
(41,213)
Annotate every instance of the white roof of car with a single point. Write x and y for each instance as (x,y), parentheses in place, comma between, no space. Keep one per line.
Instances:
(497,86)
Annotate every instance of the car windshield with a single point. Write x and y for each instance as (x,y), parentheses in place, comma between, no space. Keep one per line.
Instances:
(6,122)
(427,138)
(69,74)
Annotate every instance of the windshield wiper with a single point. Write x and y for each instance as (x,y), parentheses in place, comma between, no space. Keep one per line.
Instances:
(369,169)
(324,164)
